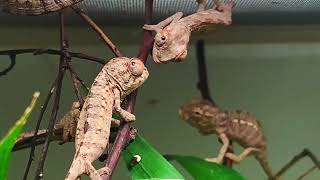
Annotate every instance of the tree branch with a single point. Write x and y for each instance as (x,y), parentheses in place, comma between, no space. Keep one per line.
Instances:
(10,67)
(203,86)
(124,132)
(98,30)
(52,52)
(63,59)
(297,158)
(34,138)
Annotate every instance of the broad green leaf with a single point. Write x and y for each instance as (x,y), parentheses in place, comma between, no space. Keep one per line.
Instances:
(152,164)
(200,169)
(7,143)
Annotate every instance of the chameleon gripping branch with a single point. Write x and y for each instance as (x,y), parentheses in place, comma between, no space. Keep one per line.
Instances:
(124,132)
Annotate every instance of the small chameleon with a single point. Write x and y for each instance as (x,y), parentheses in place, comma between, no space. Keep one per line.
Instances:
(69,122)
(118,78)
(172,34)
(239,126)
(35,7)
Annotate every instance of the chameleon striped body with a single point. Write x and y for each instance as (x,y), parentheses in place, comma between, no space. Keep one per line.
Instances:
(35,7)
(172,34)
(239,126)
(118,78)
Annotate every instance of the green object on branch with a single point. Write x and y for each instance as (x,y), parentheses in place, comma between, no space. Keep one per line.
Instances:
(200,169)
(7,143)
(152,164)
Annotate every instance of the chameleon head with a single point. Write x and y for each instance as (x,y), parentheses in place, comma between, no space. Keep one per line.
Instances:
(170,44)
(128,73)
(198,112)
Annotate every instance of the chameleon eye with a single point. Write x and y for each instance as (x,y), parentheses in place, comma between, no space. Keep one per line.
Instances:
(163,38)
(136,67)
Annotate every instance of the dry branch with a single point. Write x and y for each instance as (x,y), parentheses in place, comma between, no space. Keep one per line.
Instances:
(52,52)
(124,132)
(97,29)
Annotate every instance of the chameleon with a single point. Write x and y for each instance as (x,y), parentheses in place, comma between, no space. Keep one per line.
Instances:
(35,7)
(239,126)
(173,34)
(117,79)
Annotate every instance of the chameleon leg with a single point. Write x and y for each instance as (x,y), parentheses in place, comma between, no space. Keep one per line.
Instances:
(92,172)
(201,5)
(115,122)
(123,113)
(104,170)
(244,154)
(172,19)
(223,150)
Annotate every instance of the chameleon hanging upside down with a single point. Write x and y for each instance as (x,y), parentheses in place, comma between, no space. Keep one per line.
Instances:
(118,78)
(35,7)
(239,126)
(172,34)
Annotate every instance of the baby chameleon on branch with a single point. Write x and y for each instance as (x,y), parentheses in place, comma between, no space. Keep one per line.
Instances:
(239,126)
(118,78)
(35,7)
(172,34)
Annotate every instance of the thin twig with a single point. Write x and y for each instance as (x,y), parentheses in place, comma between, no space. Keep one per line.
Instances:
(10,67)
(307,172)
(295,159)
(98,30)
(34,138)
(63,44)
(75,83)
(52,52)
(123,135)
(203,84)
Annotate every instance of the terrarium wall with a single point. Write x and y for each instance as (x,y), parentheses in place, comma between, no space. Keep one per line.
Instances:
(270,71)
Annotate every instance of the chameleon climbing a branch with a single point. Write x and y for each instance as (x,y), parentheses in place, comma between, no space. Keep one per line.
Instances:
(173,34)
(239,126)
(35,7)
(118,78)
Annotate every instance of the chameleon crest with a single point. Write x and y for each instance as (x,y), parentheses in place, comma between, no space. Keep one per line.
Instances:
(172,34)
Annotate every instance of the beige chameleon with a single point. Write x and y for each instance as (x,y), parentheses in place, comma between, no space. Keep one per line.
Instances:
(239,126)
(172,34)
(118,78)
(35,7)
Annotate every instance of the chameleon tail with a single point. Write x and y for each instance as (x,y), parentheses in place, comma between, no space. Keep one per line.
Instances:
(261,157)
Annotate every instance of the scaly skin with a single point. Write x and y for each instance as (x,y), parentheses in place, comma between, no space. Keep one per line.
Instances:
(239,126)
(35,7)
(172,34)
(118,78)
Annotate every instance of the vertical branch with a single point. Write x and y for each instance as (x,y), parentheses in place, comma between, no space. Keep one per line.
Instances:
(203,84)
(34,138)
(63,46)
(123,135)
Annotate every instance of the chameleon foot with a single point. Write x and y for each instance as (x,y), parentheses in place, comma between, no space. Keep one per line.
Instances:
(214,160)
(104,171)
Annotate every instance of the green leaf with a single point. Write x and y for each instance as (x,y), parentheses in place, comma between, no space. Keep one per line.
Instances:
(7,143)
(152,164)
(200,169)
